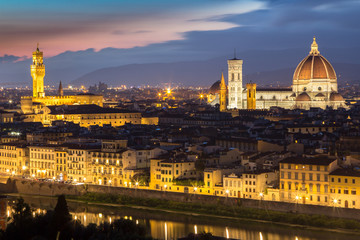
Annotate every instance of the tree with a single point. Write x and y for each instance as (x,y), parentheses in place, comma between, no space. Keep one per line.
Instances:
(61,214)
(22,212)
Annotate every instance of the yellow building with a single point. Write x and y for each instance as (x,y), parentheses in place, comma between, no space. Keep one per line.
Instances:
(345,188)
(163,172)
(77,163)
(306,180)
(251,185)
(36,102)
(60,164)
(155,173)
(42,161)
(14,158)
(107,163)
(86,115)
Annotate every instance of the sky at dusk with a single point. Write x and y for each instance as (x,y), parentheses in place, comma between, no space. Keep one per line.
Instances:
(78,37)
(68,25)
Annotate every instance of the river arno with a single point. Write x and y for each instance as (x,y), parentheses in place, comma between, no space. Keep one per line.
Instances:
(164,225)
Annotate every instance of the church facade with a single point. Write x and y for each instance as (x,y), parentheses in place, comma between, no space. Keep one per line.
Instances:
(314,85)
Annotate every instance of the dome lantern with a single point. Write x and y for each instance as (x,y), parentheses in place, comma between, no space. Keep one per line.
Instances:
(314,48)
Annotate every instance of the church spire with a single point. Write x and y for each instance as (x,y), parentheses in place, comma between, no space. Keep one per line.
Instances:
(60,91)
(223,94)
(314,48)
(222,82)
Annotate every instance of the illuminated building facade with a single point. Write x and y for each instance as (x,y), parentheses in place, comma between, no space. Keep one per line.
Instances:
(106,163)
(314,85)
(14,158)
(85,115)
(42,161)
(36,102)
(306,180)
(345,188)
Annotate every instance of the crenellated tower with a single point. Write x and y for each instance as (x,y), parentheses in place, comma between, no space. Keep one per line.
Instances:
(223,94)
(38,73)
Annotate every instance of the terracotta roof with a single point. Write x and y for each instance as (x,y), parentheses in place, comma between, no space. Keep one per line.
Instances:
(309,161)
(336,97)
(346,172)
(314,67)
(303,97)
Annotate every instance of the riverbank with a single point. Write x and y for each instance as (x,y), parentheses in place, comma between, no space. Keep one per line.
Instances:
(314,222)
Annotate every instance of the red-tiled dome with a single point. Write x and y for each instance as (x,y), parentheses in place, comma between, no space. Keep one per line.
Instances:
(336,97)
(303,97)
(314,66)
(215,88)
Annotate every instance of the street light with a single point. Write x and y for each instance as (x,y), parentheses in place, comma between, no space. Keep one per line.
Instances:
(261,195)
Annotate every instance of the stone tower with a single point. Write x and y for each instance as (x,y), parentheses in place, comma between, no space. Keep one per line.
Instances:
(223,94)
(235,83)
(38,73)
(251,95)
(60,91)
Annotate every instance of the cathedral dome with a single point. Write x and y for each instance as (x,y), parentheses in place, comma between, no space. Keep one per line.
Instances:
(336,97)
(215,88)
(314,66)
(303,97)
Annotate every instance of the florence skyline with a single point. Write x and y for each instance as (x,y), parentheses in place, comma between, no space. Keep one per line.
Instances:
(82,37)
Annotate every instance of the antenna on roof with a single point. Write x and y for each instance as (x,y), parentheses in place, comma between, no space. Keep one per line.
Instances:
(234,53)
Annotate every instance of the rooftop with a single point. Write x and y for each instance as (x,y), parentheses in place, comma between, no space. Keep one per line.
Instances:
(320,160)
(84,109)
(351,172)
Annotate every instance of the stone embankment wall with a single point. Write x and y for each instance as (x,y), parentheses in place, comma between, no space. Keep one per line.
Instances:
(53,189)
(40,188)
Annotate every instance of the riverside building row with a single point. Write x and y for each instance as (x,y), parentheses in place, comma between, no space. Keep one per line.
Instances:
(317,180)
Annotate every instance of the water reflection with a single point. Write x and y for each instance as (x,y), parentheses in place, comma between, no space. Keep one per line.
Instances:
(162,225)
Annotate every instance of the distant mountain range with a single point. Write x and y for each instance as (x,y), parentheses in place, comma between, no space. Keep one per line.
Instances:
(136,67)
(199,73)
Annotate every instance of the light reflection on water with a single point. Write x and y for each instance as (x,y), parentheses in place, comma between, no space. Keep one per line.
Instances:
(170,226)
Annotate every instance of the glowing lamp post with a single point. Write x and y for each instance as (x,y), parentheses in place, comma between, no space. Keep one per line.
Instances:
(227,193)
(261,196)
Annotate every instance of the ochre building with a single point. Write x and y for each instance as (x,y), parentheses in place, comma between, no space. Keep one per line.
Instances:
(36,102)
